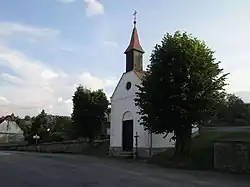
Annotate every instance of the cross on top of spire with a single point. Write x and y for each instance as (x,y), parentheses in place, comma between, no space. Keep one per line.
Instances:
(134,42)
(134,14)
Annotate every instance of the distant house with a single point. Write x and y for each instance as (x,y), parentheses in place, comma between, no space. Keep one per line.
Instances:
(9,130)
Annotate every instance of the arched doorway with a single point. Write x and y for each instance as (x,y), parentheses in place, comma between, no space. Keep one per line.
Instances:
(127,131)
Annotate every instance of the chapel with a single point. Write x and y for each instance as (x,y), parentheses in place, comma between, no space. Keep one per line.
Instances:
(126,133)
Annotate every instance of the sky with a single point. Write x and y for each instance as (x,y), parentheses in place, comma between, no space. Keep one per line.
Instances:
(49,47)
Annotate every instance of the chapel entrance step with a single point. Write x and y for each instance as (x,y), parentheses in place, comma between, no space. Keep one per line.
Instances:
(126,154)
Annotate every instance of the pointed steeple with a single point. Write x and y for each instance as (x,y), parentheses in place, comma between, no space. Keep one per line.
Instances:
(134,52)
(134,41)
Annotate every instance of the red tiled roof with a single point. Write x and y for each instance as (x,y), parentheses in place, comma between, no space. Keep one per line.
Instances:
(134,42)
(140,74)
(2,119)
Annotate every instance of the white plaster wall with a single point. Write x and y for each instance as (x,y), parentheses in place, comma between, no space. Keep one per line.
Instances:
(159,142)
(10,127)
(143,140)
(121,102)
(119,108)
(120,92)
(115,126)
(10,132)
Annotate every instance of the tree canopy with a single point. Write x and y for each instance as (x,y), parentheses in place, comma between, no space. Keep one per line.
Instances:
(62,124)
(232,111)
(39,122)
(23,125)
(183,84)
(89,109)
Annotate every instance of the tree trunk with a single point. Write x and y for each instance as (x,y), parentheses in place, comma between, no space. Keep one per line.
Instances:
(187,141)
(177,145)
(91,141)
(183,142)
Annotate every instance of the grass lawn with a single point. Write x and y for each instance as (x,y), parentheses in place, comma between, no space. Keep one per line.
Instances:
(201,152)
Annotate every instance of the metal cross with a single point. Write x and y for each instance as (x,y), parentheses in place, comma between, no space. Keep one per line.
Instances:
(36,137)
(134,14)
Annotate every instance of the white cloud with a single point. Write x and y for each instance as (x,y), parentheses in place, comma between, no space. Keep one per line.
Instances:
(68,101)
(94,7)
(7,29)
(33,85)
(3,100)
(93,82)
(59,99)
(10,78)
(36,86)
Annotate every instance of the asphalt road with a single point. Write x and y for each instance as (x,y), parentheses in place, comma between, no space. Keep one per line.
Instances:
(19,169)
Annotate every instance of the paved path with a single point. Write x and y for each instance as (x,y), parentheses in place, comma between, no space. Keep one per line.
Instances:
(19,169)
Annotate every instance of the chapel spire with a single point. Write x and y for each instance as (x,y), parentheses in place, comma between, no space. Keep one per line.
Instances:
(134,52)
(134,42)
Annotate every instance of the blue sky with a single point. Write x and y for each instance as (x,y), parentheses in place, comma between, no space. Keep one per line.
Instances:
(47,47)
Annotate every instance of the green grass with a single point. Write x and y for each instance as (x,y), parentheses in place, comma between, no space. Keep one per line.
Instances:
(202,152)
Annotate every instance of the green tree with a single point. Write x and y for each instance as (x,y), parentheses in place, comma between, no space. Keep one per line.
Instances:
(62,124)
(183,84)
(27,118)
(88,115)
(23,125)
(232,111)
(39,122)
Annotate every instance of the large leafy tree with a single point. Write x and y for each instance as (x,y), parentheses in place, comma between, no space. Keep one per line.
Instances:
(88,115)
(183,84)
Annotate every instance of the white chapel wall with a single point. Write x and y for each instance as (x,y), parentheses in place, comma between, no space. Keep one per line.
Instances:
(115,127)
(121,92)
(122,102)
(119,108)
(158,141)
(119,105)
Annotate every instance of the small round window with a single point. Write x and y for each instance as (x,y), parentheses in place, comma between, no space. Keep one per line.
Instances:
(128,85)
